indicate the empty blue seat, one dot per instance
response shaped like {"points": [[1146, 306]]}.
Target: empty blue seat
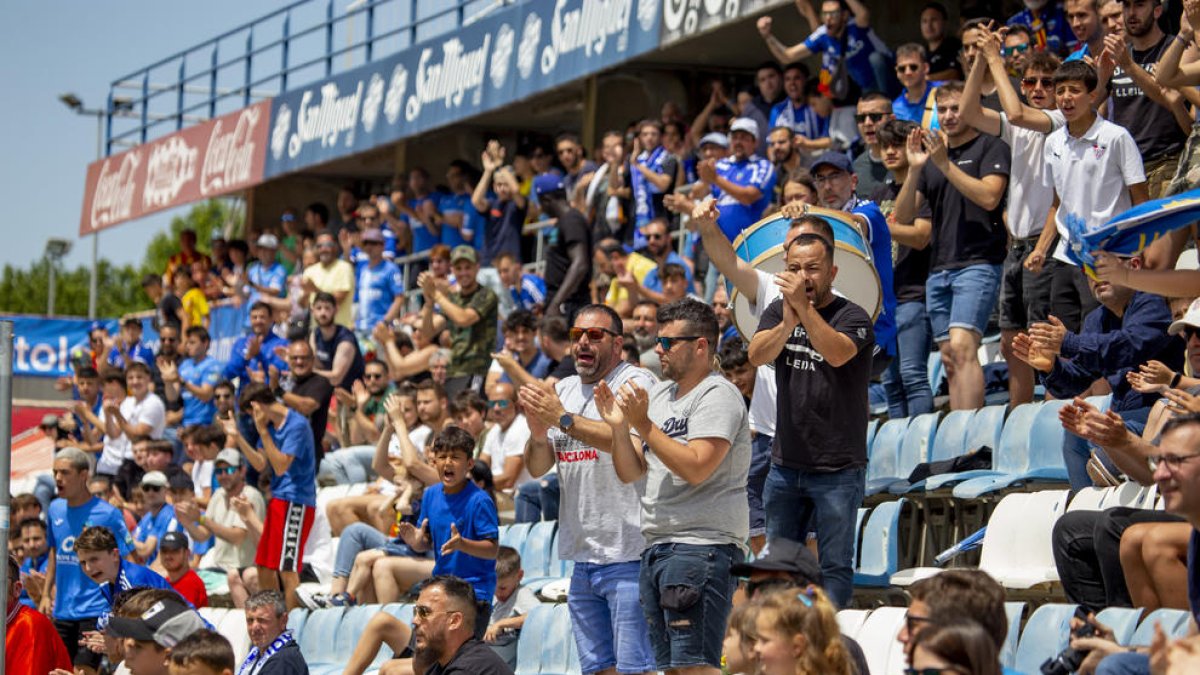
{"points": [[1009, 456], [1046, 634], [1013, 611], [296, 619], [318, 640], [885, 455], [535, 553], [534, 636], [858, 526], [950, 441], [1174, 624], [872, 427], [987, 425], [1037, 457], [880, 551], [556, 645], [514, 536], [1122, 620]]}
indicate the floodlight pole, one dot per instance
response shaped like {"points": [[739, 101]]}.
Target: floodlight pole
{"points": [[93, 281]]}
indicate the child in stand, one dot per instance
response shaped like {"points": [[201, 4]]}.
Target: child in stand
{"points": [[796, 633], [738, 655], [195, 306], [509, 607], [203, 653]]}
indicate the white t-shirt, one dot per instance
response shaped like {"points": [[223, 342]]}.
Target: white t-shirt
{"points": [[499, 445], [417, 436], [202, 475], [224, 554], [1029, 195], [149, 410], [762, 401], [1091, 175]]}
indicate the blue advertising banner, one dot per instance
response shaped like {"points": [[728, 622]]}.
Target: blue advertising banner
{"points": [[507, 56], [44, 347]]}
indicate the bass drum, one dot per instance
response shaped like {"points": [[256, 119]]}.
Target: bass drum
{"points": [[761, 245]]}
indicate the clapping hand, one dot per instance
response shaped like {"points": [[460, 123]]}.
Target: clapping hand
{"points": [[606, 404], [1182, 400], [454, 543], [167, 369], [261, 416], [915, 149], [705, 212], [1049, 335], [795, 292], [1152, 377], [1028, 351], [493, 156], [361, 395], [935, 145], [634, 403]]}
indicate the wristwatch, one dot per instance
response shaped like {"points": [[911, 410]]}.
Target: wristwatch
{"points": [[566, 422]]}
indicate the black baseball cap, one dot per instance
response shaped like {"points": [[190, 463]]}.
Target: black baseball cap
{"points": [[784, 555], [173, 541], [165, 623]]}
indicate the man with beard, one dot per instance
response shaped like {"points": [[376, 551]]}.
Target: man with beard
{"points": [[598, 514], [307, 392], [472, 313], [331, 275], [570, 155], [645, 332], [569, 255], [742, 183], [811, 129], [365, 403], [873, 110], [659, 250], [446, 626], [781, 151], [339, 358], [941, 49]]}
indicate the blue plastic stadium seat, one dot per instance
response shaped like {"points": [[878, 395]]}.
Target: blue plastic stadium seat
{"points": [[950, 441], [1122, 620], [880, 552], [296, 619], [858, 526], [937, 372], [1046, 634], [1013, 611], [872, 427], [1033, 458], [1174, 623], [514, 536], [556, 645], [885, 455], [318, 640], [535, 635], [535, 552], [1009, 456], [986, 428]]}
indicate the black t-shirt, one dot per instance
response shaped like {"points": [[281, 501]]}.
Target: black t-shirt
{"points": [[502, 231], [1152, 126], [945, 56], [327, 349], [473, 658], [910, 266], [169, 307], [572, 229], [964, 233], [286, 661], [822, 410], [317, 388]]}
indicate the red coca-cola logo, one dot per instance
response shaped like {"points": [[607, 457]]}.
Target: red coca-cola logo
{"points": [[229, 159]]}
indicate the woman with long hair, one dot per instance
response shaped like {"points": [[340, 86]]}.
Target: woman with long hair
{"points": [[962, 647]]}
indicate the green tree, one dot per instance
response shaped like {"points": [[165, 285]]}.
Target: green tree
{"points": [[204, 218]]}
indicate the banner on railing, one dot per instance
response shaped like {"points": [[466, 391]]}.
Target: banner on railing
{"points": [[509, 55], [684, 18], [211, 159]]}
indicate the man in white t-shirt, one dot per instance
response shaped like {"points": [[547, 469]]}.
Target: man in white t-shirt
{"points": [[235, 543], [140, 415], [599, 520], [504, 446]]}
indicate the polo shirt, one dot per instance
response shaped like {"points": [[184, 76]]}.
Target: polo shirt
{"points": [[1029, 196], [754, 171]]}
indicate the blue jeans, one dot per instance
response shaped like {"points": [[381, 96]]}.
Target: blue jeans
{"points": [[962, 298], [800, 501], [687, 593], [1124, 664], [348, 465], [537, 499], [1077, 452], [356, 538], [607, 619], [760, 464], [907, 378]]}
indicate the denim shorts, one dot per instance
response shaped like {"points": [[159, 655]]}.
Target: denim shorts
{"points": [[687, 593], [607, 619], [962, 298]]}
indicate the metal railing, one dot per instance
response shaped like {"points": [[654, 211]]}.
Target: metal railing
{"points": [[299, 43]]}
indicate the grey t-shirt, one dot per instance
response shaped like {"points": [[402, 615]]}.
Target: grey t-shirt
{"points": [[715, 511], [598, 517]]}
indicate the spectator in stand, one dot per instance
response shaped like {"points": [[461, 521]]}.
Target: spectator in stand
{"points": [[174, 554], [194, 380], [140, 415], [74, 601], [421, 210], [472, 313], [159, 518], [186, 256], [265, 276], [960, 647], [742, 184], [942, 49], [608, 192], [826, 470], [223, 396], [811, 130], [128, 347], [32, 646], [448, 625], [797, 632], [645, 335], [380, 286], [575, 166], [459, 219], [254, 356], [569, 256], [1047, 28], [1083, 16], [520, 346], [874, 109], [234, 543], [286, 445], [504, 445], [1112, 17], [365, 403], [768, 84], [955, 596], [191, 295], [1018, 44], [959, 188], [505, 215], [653, 175], [307, 392], [338, 357], [331, 275], [1026, 296], [693, 451], [781, 150], [916, 102], [274, 650], [35, 553], [204, 652], [316, 218], [969, 36], [599, 518], [906, 381], [630, 271], [347, 204], [525, 291], [234, 278], [167, 308], [1155, 115]]}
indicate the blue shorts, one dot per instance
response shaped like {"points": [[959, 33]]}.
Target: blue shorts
{"points": [[962, 298], [687, 594], [607, 619]]}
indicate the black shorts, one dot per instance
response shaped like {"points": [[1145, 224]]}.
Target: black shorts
{"points": [[71, 633], [1024, 296]]}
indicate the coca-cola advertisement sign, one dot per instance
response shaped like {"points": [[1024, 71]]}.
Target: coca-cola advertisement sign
{"points": [[217, 157]]}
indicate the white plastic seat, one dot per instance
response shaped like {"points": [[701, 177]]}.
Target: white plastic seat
{"points": [[877, 637], [233, 627], [1090, 499], [850, 621], [1017, 548]]}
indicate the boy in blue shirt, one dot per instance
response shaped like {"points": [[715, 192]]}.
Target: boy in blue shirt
{"points": [[36, 555], [460, 522], [101, 562]]}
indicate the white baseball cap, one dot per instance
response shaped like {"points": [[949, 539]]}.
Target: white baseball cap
{"points": [[745, 124], [1189, 320]]}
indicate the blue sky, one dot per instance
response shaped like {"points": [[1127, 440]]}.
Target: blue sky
{"points": [[50, 47]]}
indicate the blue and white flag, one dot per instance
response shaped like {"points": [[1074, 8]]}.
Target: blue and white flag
{"points": [[1129, 233]]}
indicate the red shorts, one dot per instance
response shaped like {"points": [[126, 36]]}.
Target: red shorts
{"points": [[285, 530]]}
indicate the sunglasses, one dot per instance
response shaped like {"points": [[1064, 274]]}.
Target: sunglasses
{"points": [[423, 612], [499, 403], [593, 334], [152, 488], [656, 236], [1189, 333], [874, 117], [908, 67], [668, 342], [1046, 82], [227, 471], [1016, 49], [223, 397], [372, 376]]}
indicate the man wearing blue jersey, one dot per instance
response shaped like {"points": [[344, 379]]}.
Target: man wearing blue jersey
{"points": [[81, 601], [741, 182], [129, 346], [195, 379], [265, 276], [380, 286], [159, 517]]}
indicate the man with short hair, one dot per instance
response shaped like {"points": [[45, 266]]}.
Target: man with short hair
{"points": [[265, 276], [150, 637], [31, 645], [192, 382], [873, 110], [472, 315], [526, 291], [1083, 16], [781, 150], [1045, 27], [380, 286], [445, 622], [504, 446], [953, 596], [598, 515], [570, 154], [174, 553], [338, 357], [1018, 43], [652, 176], [645, 334], [159, 517], [916, 102], [140, 415], [274, 650], [74, 601], [235, 543], [168, 310], [307, 392], [332, 275], [742, 183], [520, 346], [365, 404], [569, 256], [811, 130], [129, 346], [36, 555], [688, 438]]}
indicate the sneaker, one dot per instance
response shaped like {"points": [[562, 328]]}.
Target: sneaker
{"points": [[341, 600], [312, 600]]}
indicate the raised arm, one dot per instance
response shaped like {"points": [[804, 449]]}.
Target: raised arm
{"points": [[720, 251], [780, 51]]}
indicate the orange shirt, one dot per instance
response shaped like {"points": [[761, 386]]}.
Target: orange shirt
{"points": [[32, 645]]}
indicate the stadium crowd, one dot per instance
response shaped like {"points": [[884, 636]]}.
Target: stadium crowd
{"points": [[548, 335]]}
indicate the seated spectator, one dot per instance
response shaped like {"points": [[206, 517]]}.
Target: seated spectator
{"points": [[365, 404], [204, 652], [504, 446], [32, 645], [525, 291], [942, 49], [35, 554], [960, 647], [234, 543], [174, 554], [510, 605], [274, 650], [798, 632], [520, 346], [452, 644], [159, 518]]}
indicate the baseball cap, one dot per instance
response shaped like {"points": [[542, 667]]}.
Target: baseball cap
{"points": [[374, 234], [463, 252], [745, 124], [716, 138], [1190, 320], [165, 623], [267, 240], [784, 555], [837, 160], [155, 478], [173, 541], [548, 182], [50, 420], [229, 456]]}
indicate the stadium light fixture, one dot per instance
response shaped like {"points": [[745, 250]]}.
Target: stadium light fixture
{"points": [[72, 101], [56, 250]]}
